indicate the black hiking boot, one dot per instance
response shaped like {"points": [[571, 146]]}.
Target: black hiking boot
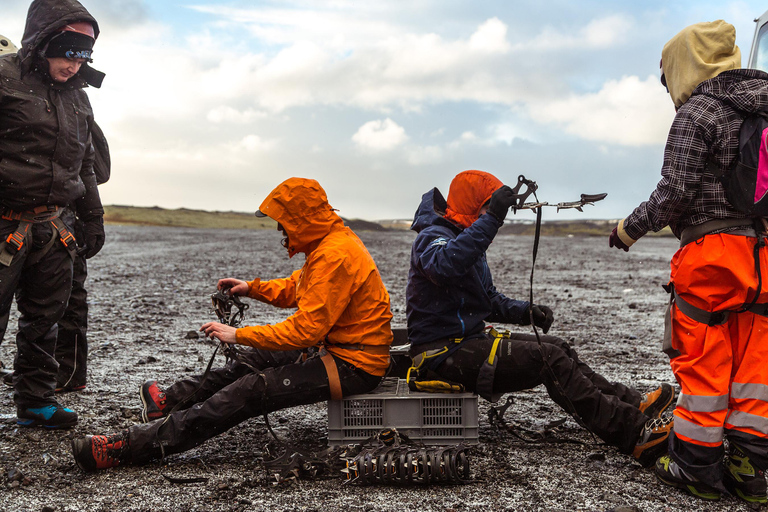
{"points": [[653, 440], [669, 473], [742, 478], [654, 403], [101, 452]]}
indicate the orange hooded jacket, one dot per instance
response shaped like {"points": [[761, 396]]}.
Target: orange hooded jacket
{"points": [[469, 191], [339, 294]]}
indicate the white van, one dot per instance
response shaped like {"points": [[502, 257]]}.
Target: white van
{"points": [[758, 53]]}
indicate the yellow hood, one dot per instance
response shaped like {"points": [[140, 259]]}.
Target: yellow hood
{"points": [[697, 53]]}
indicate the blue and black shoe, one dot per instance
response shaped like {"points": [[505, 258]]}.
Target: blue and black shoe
{"points": [[48, 416]]}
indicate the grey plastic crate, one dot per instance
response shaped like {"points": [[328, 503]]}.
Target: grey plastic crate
{"points": [[432, 418]]}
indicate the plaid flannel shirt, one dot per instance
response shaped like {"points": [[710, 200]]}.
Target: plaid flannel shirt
{"points": [[706, 126]]}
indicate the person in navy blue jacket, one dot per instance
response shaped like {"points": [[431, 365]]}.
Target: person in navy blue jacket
{"points": [[450, 296]]}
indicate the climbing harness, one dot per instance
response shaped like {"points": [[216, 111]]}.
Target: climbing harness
{"points": [[758, 230], [13, 244], [422, 376]]}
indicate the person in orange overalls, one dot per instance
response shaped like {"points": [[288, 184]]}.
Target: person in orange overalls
{"points": [[718, 350], [341, 306]]}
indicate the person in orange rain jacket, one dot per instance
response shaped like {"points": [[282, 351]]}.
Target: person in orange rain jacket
{"points": [[342, 319]]}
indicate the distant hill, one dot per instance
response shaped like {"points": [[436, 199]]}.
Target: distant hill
{"points": [[183, 217]]}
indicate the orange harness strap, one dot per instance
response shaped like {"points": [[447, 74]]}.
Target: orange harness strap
{"points": [[333, 375]]}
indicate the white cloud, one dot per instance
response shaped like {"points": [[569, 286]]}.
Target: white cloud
{"points": [[491, 36], [254, 143], [424, 155], [599, 33], [380, 135], [227, 114], [628, 111]]}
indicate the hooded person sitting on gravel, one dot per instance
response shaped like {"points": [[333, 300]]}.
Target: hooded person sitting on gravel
{"points": [[717, 320], [449, 297], [340, 303]]}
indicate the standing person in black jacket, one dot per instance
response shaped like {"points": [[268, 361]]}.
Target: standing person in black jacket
{"points": [[449, 297], [71, 341], [46, 164]]}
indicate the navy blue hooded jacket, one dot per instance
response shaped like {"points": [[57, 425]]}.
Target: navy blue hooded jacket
{"points": [[450, 292]]}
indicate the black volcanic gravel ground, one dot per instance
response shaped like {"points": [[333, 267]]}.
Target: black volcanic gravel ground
{"points": [[151, 286]]}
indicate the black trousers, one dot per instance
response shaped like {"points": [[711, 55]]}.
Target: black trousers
{"points": [[42, 291], [72, 341], [608, 409], [237, 392]]}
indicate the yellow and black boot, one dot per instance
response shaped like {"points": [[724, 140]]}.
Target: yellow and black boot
{"points": [[742, 478]]}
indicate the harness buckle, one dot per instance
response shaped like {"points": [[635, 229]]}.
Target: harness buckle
{"points": [[717, 318], [16, 240], [66, 236]]}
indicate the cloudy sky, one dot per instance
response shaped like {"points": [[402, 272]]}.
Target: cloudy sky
{"points": [[209, 105]]}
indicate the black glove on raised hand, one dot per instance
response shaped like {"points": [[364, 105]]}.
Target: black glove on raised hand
{"points": [[93, 236], [615, 241], [500, 202], [542, 317]]}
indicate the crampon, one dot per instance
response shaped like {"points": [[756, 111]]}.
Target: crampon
{"points": [[391, 458]]}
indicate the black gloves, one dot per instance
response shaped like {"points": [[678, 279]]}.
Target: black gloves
{"points": [[93, 237], [542, 317], [615, 241], [500, 202]]}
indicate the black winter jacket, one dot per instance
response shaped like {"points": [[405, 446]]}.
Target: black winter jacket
{"points": [[46, 154], [450, 292]]}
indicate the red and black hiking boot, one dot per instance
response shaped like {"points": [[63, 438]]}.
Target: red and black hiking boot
{"points": [[654, 403], [654, 440], [153, 399], [101, 452]]}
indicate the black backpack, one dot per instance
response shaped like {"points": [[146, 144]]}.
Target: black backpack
{"points": [[746, 182]]}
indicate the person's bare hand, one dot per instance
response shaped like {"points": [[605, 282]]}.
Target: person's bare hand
{"points": [[236, 286], [223, 333]]}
